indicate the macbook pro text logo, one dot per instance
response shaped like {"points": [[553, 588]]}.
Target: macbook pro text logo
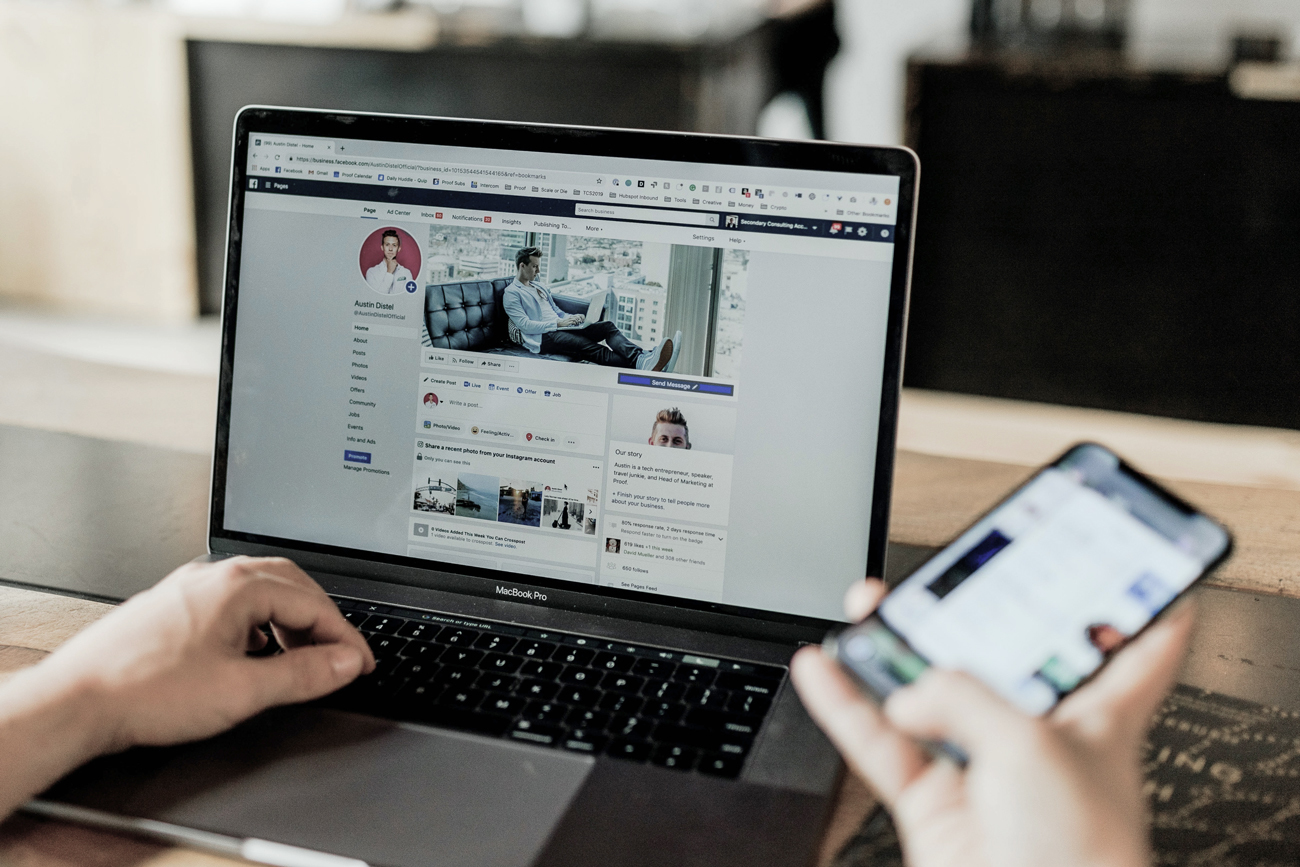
{"points": [[527, 595]]}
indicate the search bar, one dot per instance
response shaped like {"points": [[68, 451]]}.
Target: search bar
{"points": [[649, 215]]}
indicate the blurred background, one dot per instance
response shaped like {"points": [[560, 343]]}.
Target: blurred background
{"points": [[1110, 195]]}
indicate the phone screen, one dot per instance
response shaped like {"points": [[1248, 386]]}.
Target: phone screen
{"points": [[1036, 595]]}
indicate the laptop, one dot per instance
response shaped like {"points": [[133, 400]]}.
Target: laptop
{"points": [[594, 309], [582, 582]]}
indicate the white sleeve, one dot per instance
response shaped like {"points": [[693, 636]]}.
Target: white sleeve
{"points": [[379, 279]]}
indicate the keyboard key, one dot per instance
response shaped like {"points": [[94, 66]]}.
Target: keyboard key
{"points": [[745, 726], [583, 696], [694, 674], [385, 665], [455, 676], [580, 676], [633, 751], [617, 702], [660, 669], [747, 684], [613, 662], [676, 757], [574, 655], [712, 741], [416, 670], [547, 734], [507, 704], [356, 618], [499, 662], [538, 650], [422, 650], [382, 623], [630, 727], [546, 711], [386, 645], [465, 699], [413, 696], [495, 643], [538, 689], [541, 670], [457, 637], [492, 682], [664, 711], [748, 703], [622, 683], [585, 741], [664, 690], [720, 765], [586, 718], [419, 629], [461, 656], [491, 724], [707, 697]]}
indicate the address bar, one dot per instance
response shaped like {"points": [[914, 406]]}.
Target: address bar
{"points": [[649, 215]]}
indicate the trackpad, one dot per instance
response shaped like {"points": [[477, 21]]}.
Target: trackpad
{"points": [[389, 794]]}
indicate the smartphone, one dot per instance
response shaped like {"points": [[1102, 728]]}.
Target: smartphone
{"points": [[1035, 596]]}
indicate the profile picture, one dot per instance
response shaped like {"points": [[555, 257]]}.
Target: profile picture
{"points": [[431, 400], [613, 546], [733, 221], [390, 261]]}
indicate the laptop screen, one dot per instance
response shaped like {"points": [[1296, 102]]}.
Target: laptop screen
{"points": [[651, 377]]}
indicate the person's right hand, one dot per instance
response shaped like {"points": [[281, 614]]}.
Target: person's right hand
{"points": [[171, 664], [1064, 789], [575, 319]]}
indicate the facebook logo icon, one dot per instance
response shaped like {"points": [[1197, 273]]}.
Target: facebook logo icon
{"points": [[381, 177], [252, 183], [336, 174], [277, 170]]}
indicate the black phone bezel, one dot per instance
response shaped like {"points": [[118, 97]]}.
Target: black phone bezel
{"points": [[1151, 484], [589, 141]]}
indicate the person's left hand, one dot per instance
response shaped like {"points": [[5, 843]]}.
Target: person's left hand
{"points": [[172, 663], [575, 319]]}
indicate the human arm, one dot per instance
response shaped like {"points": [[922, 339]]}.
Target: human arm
{"points": [[380, 278], [172, 665], [513, 303], [1063, 789]]}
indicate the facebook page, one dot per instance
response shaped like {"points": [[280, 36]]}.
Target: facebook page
{"points": [[649, 376]]}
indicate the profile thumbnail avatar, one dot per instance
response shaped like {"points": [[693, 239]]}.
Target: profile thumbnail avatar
{"points": [[390, 259], [670, 430], [430, 400]]}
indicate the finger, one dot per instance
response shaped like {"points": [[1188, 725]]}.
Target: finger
{"points": [[256, 639], [863, 597], [293, 609], [882, 756], [302, 674], [955, 707], [1129, 690]]}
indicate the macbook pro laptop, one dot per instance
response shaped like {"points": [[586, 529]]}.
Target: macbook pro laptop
{"points": [[582, 582]]}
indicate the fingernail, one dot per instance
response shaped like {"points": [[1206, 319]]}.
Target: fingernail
{"points": [[346, 662]]}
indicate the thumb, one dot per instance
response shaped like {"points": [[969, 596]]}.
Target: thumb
{"points": [[304, 673], [955, 707]]}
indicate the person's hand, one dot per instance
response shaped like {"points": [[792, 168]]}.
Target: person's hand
{"points": [[1064, 789], [391, 264], [171, 664], [575, 319]]}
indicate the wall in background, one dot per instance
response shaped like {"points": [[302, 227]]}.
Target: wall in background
{"points": [[96, 212]]}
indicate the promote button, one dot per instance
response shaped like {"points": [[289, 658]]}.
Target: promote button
{"points": [[356, 457]]}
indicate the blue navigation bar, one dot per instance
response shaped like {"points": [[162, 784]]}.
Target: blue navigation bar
{"points": [[651, 381]]}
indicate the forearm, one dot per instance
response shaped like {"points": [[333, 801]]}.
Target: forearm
{"points": [[48, 726]]}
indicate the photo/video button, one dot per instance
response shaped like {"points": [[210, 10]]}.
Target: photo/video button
{"points": [[455, 428]]}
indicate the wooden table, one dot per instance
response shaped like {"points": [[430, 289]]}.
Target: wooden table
{"points": [[959, 455]]}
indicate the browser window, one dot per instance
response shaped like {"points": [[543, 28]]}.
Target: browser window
{"points": [[401, 385]]}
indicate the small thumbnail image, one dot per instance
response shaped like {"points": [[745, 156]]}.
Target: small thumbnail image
{"points": [[560, 513], [435, 495], [476, 496], [613, 546], [520, 503]]}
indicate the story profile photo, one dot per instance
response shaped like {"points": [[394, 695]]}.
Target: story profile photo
{"points": [[390, 261], [430, 400]]}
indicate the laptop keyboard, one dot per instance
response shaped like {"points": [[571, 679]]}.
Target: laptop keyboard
{"points": [[573, 692]]}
